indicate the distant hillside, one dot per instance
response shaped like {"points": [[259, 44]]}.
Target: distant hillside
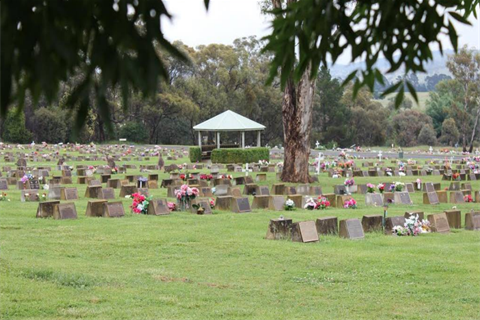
{"points": [[437, 66]]}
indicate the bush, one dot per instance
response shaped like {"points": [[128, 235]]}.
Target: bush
{"points": [[14, 129], [427, 136], [133, 131], [240, 155], [195, 154], [49, 126]]}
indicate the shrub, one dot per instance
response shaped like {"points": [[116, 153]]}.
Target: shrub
{"points": [[195, 154], [49, 126], [133, 131], [14, 129], [427, 136], [240, 155]]}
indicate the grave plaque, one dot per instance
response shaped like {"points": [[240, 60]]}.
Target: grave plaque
{"points": [[261, 177], [472, 221], [65, 211], [303, 189], [373, 199], [94, 183], [339, 189], [128, 189], [158, 208], [327, 225], [55, 192], [235, 192], [278, 189], [241, 205], [263, 191], [442, 196], [402, 198], [409, 187], [430, 198], [372, 222], [276, 203], [428, 187], [393, 222], [69, 194], [114, 183], [29, 195], [454, 186], [279, 229], [221, 190], [456, 197], [351, 229], [3, 184], [304, 231], [250, 189], [439, 222], [472, 177], [454, 218], [206, 192], [34, 184], [315, 190], [46, 209], [113, 209], [362, 189], [143, 191], [260, 202], [466, 186], [223, 202], [239, 181], [92, 191], [95, 208], [106, 193]]}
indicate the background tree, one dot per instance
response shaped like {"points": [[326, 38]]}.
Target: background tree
{"points": [[450, 132], [427, 136], [50, 125], [407, 126]]}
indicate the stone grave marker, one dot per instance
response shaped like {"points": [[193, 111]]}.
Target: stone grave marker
{"points": [[327, 225], [372, 223], [235, 192], [340, 200], [94, 183], [428, 187], [339, 189], [260, 202], [239, 181], [248, 180], [29, 195], [303, 189], [250, 189], [442, 196], [205, 205], [221, 190], [472, 177], [261, 177], [439, 222], [241, 205], [279, 229], [143, 191], [95, 208], [402, 198], [304, 231], [362, 189], [55, 192], [128, 189], [373, 199], [454, 218], [106, 193], [276, 202], [430, 198], [409, 187], [114, 183], [69, 194], [351, 229], [223, 202], [158, 208], [472, 221], [456, 197], [391, 222], [454, 186], [206, 192], [315, 190], [263, 191], [278, 189], [92, 191], [466, 186], [3, 184], [65, 211], [113, 209], [46, 209]]}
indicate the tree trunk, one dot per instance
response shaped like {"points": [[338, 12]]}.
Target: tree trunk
{"points": [[297, 111], [474, 131]]}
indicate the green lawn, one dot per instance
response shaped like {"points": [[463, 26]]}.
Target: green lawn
{"points": [[185, 266]]}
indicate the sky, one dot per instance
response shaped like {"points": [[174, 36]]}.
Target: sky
{"points": [[227, 20]]}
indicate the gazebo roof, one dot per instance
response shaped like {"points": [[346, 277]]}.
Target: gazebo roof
{"points": [[229, 121]]}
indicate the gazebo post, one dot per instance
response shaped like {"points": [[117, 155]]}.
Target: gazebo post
{"points": [[259, 139], [218, 140], [200, 139], [243, 139]]}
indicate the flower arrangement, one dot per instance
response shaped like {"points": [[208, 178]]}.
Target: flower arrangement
{"points": [[310, 204], [370, 188], [186, 194], [263, 162], [140, 203], [226, 176], [350, 204], [456, 176], [171, 206], [381, 187], [46, 187], [42, 197], [323, 203], [412, 227], [114, 170], [212, 203], [207, 177], [289, 205], [3, 197], [468, 198], [398, 186], [349, 182], [27, 197]]}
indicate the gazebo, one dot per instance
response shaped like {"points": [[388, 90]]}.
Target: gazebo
{"points": [[226, 122]]}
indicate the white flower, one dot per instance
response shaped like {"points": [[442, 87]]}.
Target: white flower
{"points": [[46, 187], [140, 207], [290, 203], [127, 196]]}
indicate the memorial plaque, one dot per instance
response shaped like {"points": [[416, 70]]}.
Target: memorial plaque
{"points": [[351, 229], [95, 208], [143, 191], [472, 177], [29, 195], [263, 191], [261, 177], [276, 203], [304, 231], [442, 196], [248, 180], [224, 203], [128, 189], [92, 191], [260, 202], [430, 198], [106, 193], [114, 183], [235, 192], [340, 189], [113, 209], [69, 194], [303, 189], [466, 186], [46, 209], [454, 186], [55, 192], [3, 184], [402, 198], [327, 225], [94, 183], [221, 190], [456, 197], [472, 221], [291, 190], [454, 218], [372, 223], [279, 229], [241, 205], [206, 192], [158, 208], [439, 222], [428, 187], [315, 190], [362, 189], [409, 187], [66, 173], [392, 222], [374, 199], [65, 211], [250, 189]]}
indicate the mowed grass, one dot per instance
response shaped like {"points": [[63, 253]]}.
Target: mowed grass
{"points": [[185, 266]]}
